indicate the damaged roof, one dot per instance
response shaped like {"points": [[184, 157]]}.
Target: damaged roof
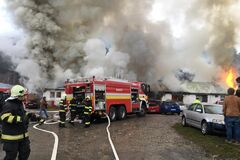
{"points": [[203, 87], [196, 88]]}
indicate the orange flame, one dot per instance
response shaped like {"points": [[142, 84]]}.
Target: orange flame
{"points": [[230, 79]]}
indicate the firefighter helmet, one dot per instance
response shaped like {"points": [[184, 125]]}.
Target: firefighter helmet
{"points": [[18, 91]]}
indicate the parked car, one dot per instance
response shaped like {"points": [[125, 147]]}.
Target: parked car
{"points": [[32, 105], [154, 106], [207, 117], [169, 107], [182, 106], [33, 101]]}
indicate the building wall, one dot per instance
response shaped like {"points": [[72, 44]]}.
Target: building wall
{"points": [[53, 97], [188, 99], [167, 97], [213, 98]]}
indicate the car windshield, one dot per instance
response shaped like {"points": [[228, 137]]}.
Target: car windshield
{"points": [[213, 109]]}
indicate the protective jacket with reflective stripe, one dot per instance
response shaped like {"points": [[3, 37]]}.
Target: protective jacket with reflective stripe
{"points": [[73, 105], [14, 120], [62, 105], [87, 107]]}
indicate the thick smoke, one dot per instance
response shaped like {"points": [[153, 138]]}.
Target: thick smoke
{"points": [[68, 39], [184, 75], [6, 64]]}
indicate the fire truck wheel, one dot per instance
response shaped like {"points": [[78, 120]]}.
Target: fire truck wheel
{"points": [[121, 114], [112, 114]]}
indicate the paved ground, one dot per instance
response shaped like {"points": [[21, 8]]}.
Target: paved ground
{"points": [[145, 138]]}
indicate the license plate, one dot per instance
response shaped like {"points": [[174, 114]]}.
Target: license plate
{"points": [[173, 109]]}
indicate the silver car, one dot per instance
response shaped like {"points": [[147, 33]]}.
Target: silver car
{"points": [[208, 117]]}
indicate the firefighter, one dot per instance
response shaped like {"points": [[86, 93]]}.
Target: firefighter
{"points": [[62, 111], [73, 109], [80, 108], [197, 100], [15, 125], [87, 111]]}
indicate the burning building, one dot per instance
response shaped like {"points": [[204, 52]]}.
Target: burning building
{"points": [[189, 91]]}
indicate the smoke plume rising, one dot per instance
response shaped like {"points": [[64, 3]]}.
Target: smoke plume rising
{"points": [[69, 39]]}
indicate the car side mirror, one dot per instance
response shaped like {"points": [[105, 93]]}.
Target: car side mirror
{"points": [[199, 110]]}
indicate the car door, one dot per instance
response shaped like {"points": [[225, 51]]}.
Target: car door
{"points": [[197, 115], [189, 114]]}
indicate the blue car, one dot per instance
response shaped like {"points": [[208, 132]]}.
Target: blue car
{"points": [[169, 107]]}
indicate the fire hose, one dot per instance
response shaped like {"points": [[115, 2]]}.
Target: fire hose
{"points": [[55, 147], [110, 140]]}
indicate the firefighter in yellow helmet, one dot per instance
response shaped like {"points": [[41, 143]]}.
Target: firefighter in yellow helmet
{"points": [[87, 111], [62, 110], [15, 125]]}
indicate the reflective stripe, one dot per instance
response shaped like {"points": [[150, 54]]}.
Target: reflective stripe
{"points": [[87, 122], [86, 113], [73, 105], [73, 110], [14, 137], [5, 115], [10, 119], [62, 111], [18, 119]]}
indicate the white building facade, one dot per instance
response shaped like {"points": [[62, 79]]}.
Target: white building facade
{"points": [[53, 96]]}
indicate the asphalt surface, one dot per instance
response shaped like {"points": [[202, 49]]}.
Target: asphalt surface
{"points": [[145, 138]]}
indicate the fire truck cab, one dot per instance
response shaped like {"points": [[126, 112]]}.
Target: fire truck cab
{"points": [[115, 97]]}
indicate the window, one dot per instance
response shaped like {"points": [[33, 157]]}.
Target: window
{"points": [[134, 94], [199, 108], [58, 95], [192, 107], [52, 94]]}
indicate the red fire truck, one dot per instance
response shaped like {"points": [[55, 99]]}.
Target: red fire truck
{"points": [[115, 97]]}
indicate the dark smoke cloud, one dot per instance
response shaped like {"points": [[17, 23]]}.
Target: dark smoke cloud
{"points": [[6, 64], [68, 39], [184, 75]]}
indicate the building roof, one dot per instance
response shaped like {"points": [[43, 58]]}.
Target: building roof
{"points": [[199, 88], [203, 87], [4, 85], [54, 89]]}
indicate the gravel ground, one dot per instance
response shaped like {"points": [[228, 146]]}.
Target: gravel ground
{"points": [[145, 138]]}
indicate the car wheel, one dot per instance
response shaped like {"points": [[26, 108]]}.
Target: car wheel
{"points": [[204, 128], [112, 114], [121, 113], [184, 124]]}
